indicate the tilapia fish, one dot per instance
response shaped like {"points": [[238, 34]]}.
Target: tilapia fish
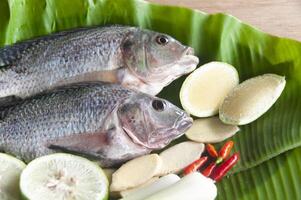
{"points": [[103, 121], [136, 58]]}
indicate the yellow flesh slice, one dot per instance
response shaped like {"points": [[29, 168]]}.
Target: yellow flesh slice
{"points": [[251, 99], [179, 156], [204, 90], [136, 172], [210, 130]]}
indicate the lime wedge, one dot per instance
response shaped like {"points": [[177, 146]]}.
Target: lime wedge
{"points": [[63, 176], [10, 170]]}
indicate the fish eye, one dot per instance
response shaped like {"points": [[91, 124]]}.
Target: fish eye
{"points": [[162, 39], [158, 105]]}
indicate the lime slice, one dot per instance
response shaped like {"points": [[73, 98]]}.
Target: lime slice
{"points": [[10, 170], [205, 89], [63, 176]]}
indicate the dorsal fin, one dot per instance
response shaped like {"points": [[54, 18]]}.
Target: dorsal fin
{"points": [[10, 53]]}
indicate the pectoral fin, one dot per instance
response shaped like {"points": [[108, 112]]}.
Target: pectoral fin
{"points": [[85, 144]]}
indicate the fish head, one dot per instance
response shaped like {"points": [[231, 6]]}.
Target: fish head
{"points": [[152, 122], [156, 57]]}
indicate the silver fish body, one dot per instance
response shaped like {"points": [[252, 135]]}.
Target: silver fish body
{"points": [[136, 58], [103, 121]]}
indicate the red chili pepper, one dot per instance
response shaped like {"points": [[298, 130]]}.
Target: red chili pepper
{"points": [[226, 149], [222, 169], [211, 150], [209, 169], [195, 165]]}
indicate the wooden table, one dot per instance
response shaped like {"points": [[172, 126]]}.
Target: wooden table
{"points": [[278, 17]]}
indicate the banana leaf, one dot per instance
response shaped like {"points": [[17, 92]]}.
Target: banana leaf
{"points": [[263, 144], [278, 178]]}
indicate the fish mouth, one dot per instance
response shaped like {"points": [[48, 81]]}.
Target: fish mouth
{"points": [[168, 73], [188, 51], [184, 65], [162, 76], [163, 136], [188, 62], [168, 135], [185, 124]]}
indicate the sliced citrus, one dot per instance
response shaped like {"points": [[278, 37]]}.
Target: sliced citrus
{"points": [[10, 170], [63, 176]]}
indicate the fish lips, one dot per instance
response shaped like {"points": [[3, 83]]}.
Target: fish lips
{"points": [[162, 76], [168, 73], [189, 51], [163, 136], [188, 62]]}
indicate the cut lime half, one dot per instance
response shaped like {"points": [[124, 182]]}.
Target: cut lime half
{"points": [[10, 170], [63, 176]]}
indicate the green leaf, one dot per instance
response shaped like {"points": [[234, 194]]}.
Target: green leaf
{"points": [[277, 179], [215, 37]]}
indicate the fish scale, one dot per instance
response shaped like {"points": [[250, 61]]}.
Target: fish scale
{"points": [[81, 109], [120, 54], [95, 119], [30, 67]]}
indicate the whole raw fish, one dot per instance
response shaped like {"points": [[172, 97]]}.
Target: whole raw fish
{"points": [[136, 58], [99, 120]]}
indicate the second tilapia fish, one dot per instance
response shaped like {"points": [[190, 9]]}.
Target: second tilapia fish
{"points": [[103, 121], [136, 58]]}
